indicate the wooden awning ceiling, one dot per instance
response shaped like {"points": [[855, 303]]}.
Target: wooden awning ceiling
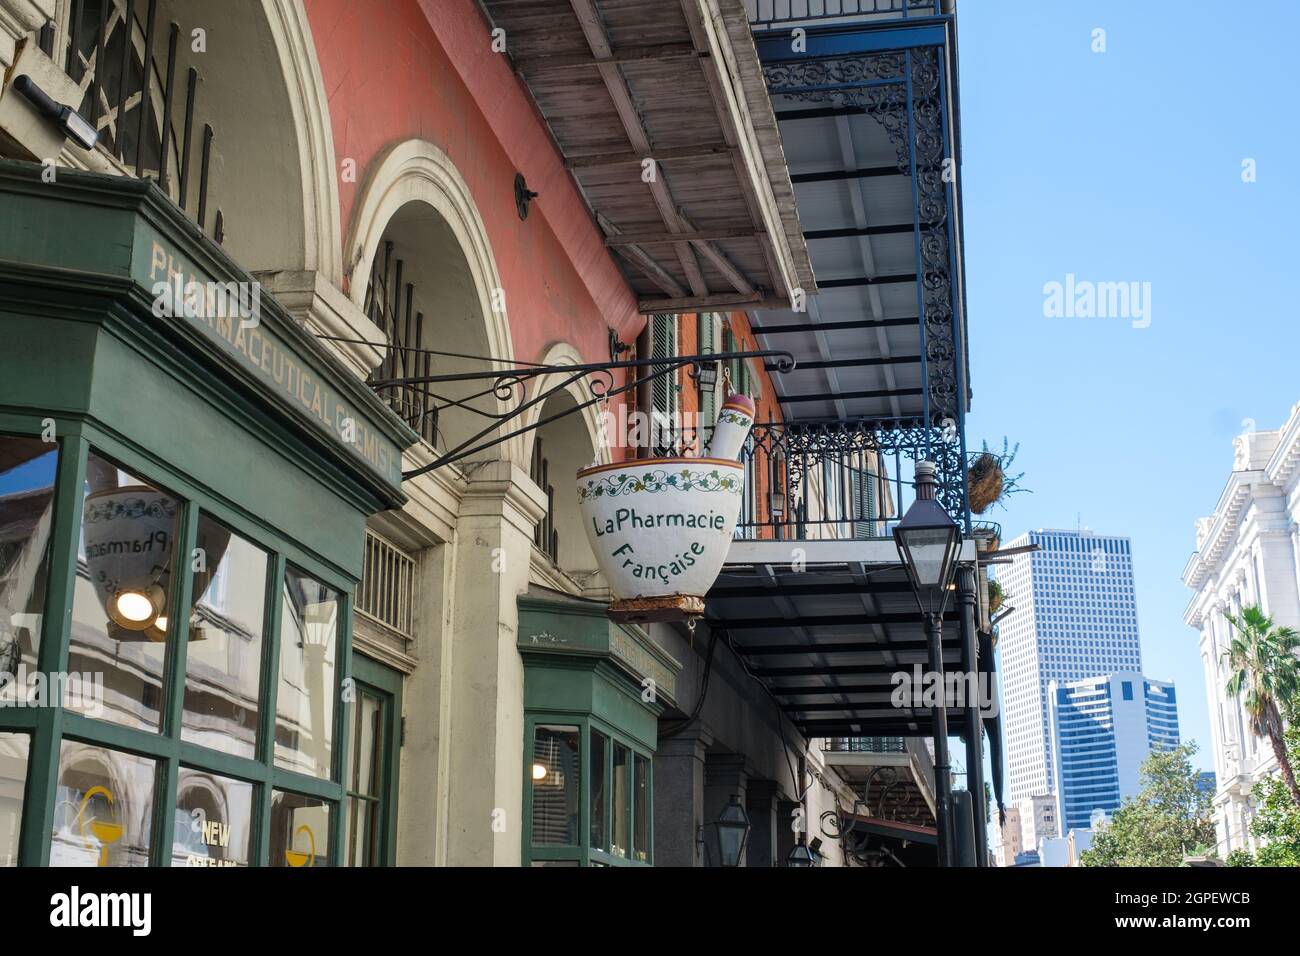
{"points": [[663, 117]]}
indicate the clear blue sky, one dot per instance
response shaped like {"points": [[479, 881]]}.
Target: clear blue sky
{"points": [[1126, 166]]}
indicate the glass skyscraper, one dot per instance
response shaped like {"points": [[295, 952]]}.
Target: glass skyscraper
{"points": [[1102, 729], [1074, 617]]}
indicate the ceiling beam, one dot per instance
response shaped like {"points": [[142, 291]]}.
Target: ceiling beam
{"points": [[829, 326], [832, 396], [866, 281], [630, 158], [854, 363], [824, 620], [616, 85], [891, 229], [665, 52], [696, 235], [644, 261], [721, 300], [835, 175]]}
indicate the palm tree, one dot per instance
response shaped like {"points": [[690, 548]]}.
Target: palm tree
{"points": [[1264, 665]]}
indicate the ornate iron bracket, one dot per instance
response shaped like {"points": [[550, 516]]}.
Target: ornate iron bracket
{"points": [[510, 385]]}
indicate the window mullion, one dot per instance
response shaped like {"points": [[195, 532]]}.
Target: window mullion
{"points": [[174, 683], [46, 742], [259, 853]]}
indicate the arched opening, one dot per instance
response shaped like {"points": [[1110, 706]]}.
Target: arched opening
{"points": [[227, 114], [560, 448], [422, 295], [421, 267]]}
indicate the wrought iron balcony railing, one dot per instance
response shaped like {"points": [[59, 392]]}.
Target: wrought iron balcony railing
{"points": [[785, 14], [833, 479], [869, 745]]}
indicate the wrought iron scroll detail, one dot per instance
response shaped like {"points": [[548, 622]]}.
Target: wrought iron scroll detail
{"points": [[877, 84]]}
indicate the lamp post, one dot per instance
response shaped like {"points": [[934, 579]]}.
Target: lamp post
{"points": [[802, 856], [730, 832], [928, 541]]}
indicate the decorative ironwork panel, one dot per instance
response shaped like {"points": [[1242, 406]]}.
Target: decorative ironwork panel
{"points": [[902, 92]]}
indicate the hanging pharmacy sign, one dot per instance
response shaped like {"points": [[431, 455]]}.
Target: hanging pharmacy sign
{"points": [[661, 527]]}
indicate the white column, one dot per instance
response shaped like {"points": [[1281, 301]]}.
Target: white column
{"points": [[492, 551]]}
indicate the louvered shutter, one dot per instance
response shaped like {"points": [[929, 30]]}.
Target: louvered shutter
{"points": [[708, 325]]}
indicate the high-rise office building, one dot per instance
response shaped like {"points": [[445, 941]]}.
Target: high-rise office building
{"points": [[1074, 617], [1102, 729]]}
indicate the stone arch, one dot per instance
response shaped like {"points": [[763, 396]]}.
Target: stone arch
{"points": [[260, 88], [568, 443], [415, 192]]}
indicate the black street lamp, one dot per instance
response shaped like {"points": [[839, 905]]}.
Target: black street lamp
{"points": [[729, 834], [928, 543], [802, 856]]}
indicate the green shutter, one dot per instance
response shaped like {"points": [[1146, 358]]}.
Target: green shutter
{"points": [[708, 331]]}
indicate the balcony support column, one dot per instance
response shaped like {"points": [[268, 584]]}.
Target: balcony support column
{"points": [[974, 736], [942, 767], [679, 797]]}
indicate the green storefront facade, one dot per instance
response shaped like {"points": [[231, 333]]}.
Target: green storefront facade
{"points": [[171, 439], [593, 693]]}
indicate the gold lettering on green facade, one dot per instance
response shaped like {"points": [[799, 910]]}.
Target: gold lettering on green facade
{"points": [[261, 352]]}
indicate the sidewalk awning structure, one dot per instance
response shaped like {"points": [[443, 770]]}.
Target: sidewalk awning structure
{"points": [[662, 116], [827, 639], [868, 113]]}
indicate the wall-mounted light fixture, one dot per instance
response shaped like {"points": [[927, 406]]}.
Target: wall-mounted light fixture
{"points": [[72, 123], [523, 195]]}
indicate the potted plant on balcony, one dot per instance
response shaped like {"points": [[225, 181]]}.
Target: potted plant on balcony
{"points": [[996, 595], [987, 478]]}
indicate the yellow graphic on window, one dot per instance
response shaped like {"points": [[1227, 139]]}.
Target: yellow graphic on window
{"points": [[104, 832], [298, 857]]}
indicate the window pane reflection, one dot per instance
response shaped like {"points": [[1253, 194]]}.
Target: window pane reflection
{"points": [[123, 594], [304, 725], [641, 812], [213, 821], [599, 835], [224, 657], [13, 777], [621, 794], [555, 777], [300, 828], [27, 471], [363, 817], [104, 808]]}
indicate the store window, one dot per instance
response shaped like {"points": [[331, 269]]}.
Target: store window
{"points": [[300, 828], [223, 665], [121, 606], [104, 807], [213, 821], [556, 780], [27, 472], [369, 779], [245, 735], [13, 780], [602, 819], [304, 731]]}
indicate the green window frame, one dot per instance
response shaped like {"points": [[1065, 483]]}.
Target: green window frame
{"points": [[48, 727], [384, 683], [584, 853]]}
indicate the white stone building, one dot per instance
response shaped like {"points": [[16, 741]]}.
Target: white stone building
{"points": [[1246, 553]]}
